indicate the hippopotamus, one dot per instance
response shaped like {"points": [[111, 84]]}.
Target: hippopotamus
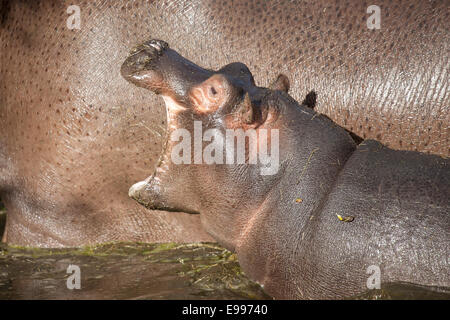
{"points": [[74, 134], [311, 223]]}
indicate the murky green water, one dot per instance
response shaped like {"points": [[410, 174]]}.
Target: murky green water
{"points": [[405, 291], [146, 271], [126, 271]]}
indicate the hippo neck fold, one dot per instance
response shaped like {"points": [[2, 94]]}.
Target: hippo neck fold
{"points": [[293, 206], [301, 177]]}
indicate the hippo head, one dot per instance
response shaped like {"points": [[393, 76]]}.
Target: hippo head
{"points": [[203, 168]]}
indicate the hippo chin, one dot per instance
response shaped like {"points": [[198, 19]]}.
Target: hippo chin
{"points": [[331, 212]]}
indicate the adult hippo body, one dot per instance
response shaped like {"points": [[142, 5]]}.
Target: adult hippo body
{"points": [[330, 212], [74, 135]]}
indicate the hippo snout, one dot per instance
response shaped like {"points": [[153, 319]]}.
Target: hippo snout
{"points": [[154, 66], [142, 60]]}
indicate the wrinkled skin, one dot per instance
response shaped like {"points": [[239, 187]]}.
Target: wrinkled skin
{"points": [[394, 204], [74, 135]]}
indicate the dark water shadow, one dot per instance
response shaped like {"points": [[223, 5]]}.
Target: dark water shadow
{"points": [[2, 218]]}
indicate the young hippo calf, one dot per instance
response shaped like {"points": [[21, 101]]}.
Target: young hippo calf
{"points": [[310, 213]]}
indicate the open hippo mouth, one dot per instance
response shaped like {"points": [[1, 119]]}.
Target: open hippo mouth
{"points": [[154, 66], [190, 92]]}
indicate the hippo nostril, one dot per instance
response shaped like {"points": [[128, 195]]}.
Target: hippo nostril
{"points": [[213, 91], [159, 45], [149, 47]]}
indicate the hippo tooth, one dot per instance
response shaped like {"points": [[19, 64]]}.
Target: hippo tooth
{"points": [[136, 188], [172, 105]]}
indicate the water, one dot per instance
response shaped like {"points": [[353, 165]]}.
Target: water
{"points": [[126, 271], [147, 271]]}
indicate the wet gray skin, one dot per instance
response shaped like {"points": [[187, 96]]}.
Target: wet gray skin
{"points": [[333, 208]]}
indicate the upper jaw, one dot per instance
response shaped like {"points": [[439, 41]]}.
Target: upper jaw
{"points": [[140, 64], [154, 66]]}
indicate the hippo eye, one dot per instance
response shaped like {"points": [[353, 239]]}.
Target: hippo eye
{"points": [[213, 91]]}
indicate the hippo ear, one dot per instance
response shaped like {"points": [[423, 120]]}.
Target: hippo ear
{"points": [[310, 100], [211, 94], [281, 83]]}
